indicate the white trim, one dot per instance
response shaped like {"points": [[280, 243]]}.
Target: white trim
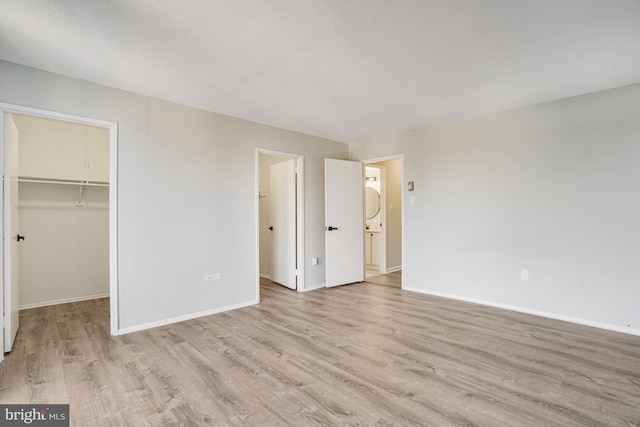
{"points": [[314, 287], [265, 276], [256, 221], [183, 318], [394, 269], [113, 230], [63, 301], [382, 267], [384, 159], [576, 320], [46, 114], [113, 190]]}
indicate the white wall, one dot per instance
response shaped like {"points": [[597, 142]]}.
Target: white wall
{"points": [[187, 197], [552, 188]]}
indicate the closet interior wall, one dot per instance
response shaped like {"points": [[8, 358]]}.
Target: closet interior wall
{"points": [[63, 211]]}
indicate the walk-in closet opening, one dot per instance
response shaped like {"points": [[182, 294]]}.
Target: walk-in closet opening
{"points": [[57, 217], [280, 219], [63, 211]]}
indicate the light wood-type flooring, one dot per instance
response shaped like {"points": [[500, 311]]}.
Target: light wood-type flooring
{"points": [[392, 279], [361, 354]]}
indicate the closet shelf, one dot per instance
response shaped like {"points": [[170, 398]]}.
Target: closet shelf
{"points": [[81, 184], [62, 181]]}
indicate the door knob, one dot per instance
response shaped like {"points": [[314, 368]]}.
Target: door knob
{"points": [[330, 228], [20, 237]]}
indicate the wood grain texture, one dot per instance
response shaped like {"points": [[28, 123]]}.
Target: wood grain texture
{"points": [[360, 354], [392, 279]]}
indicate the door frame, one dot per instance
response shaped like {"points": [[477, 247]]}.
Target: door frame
{"points": [[6, 108], [384, 198], [383, 213], [299, 215], [9, 296]]}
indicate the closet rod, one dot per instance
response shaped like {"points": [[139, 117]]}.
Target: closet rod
{"points": [[51, 181]]}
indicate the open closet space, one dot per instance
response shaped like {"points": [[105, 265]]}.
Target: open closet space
{"points": [[280, 218], [63, 211]]}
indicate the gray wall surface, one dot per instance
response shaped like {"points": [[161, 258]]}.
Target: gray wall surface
{"points": [[552, 188], [187, 196]]}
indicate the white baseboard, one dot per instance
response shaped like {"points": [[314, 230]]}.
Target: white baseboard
{"points": [[62, 301], [182, 318], [394, 269], [265, 276], [314, 287], [576, 320]]}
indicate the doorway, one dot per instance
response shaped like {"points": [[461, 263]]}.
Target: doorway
{"points": [[280, 219], [375, 221], [76, 189], [384, 221], [346, 227]]}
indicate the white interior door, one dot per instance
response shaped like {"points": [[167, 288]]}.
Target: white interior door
{"points": [[10, 232], [282, 196], [344, 221]]}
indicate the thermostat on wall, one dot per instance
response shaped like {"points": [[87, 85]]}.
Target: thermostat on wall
{"points": [[410, 185]]}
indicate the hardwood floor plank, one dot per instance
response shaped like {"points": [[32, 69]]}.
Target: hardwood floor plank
{"points": [[361, 354]]}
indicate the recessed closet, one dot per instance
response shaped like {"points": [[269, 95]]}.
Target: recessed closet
{"points": [[63, 211]]}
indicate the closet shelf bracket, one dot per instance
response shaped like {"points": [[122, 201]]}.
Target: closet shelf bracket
{"points": [[80, 202]]}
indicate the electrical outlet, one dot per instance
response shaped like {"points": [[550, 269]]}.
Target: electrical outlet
{"points": [[210, 277], [524, 274]]}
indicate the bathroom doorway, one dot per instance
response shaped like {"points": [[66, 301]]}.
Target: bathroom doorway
{"points": [[383, 219]]}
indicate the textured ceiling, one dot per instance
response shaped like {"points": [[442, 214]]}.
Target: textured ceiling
{"points": [[345, 70]]}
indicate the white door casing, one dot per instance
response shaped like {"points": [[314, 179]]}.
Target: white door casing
{"points": [[344, 222], [282, 202], [10, 231], [113, 194]]}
